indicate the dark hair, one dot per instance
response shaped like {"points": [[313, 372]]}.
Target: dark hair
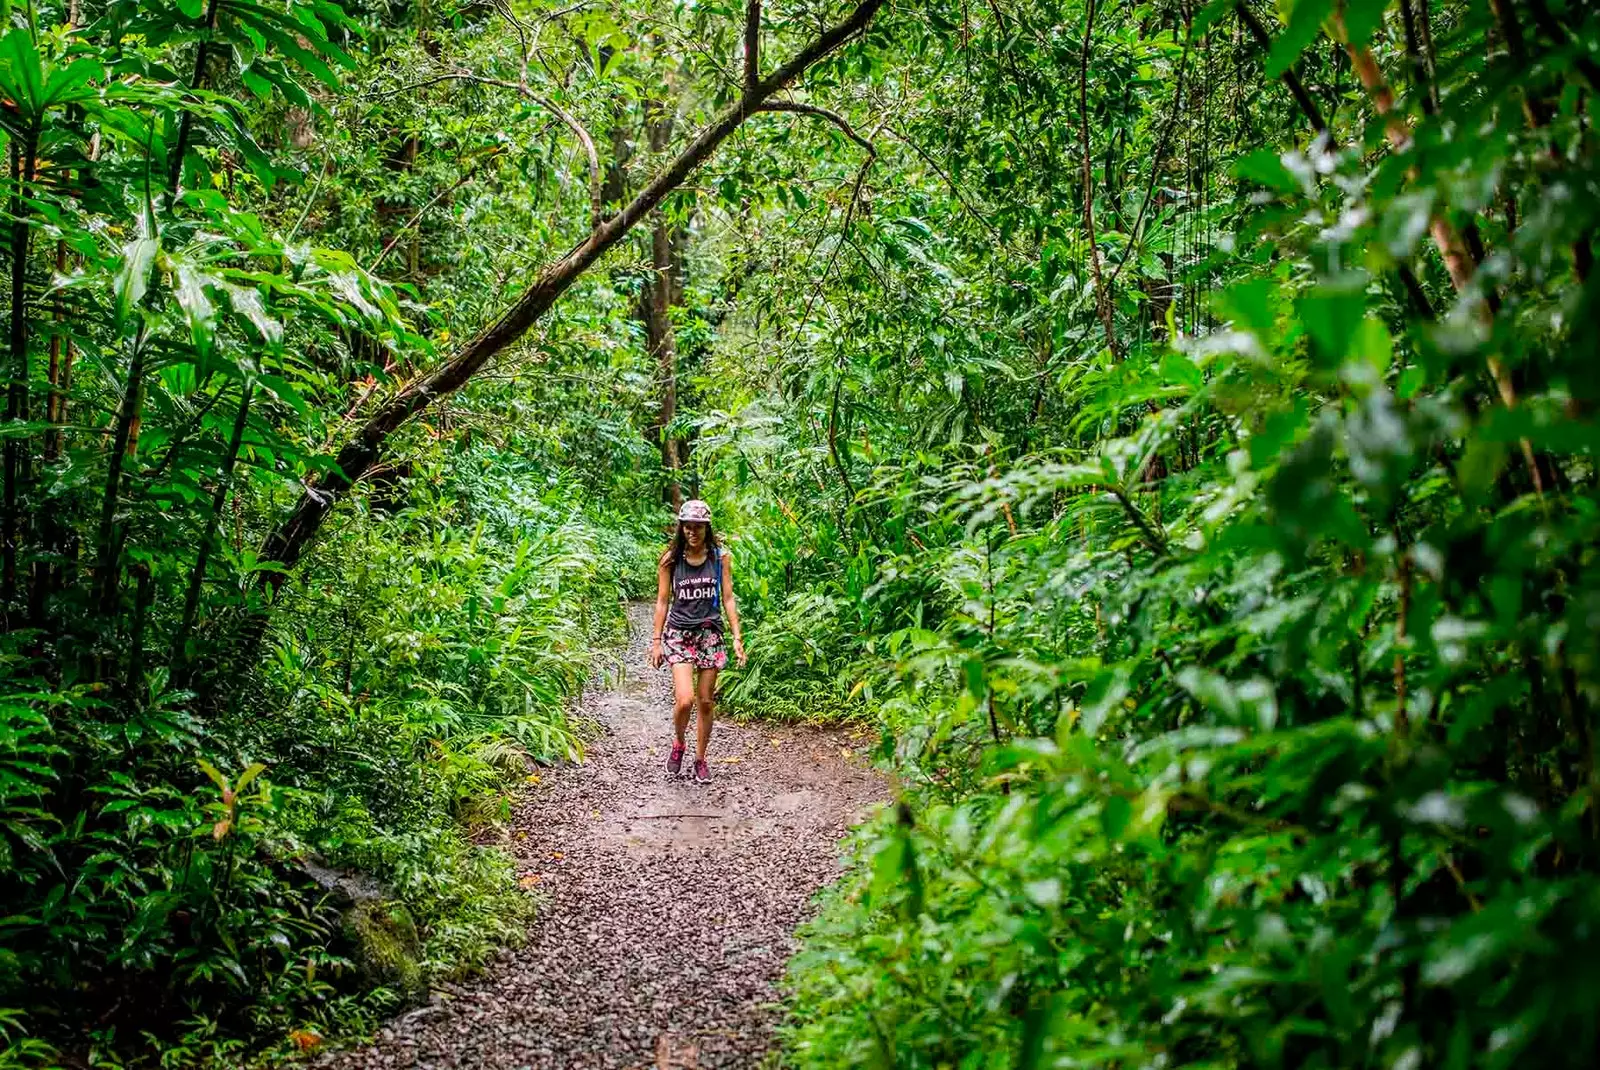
{"points": [[675, 548]]}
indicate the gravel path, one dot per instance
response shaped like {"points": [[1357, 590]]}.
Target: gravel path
{"points": [[670, 905]]}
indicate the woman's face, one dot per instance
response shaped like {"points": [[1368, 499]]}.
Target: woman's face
{"points": [[694, 533]]}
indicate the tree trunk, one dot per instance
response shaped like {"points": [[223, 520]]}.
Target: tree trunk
{"points": [[656, 304], [122, 437], [181, 146], [219, 497], [658, 332], [1102, 295], [16, 458], [45, 569]]}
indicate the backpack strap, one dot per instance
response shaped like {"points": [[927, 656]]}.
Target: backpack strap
{"points": [[716, 570]]}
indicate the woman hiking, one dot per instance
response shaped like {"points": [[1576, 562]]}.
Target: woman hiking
{"points": [[697, 577]]}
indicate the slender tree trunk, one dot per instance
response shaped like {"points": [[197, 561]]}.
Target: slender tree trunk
{"points": [[16, 453], [219, 497], [665, 350], [181, 144], [127, 415], [144, 595], [656, 306], [61, 354], [1102, 296], [45, 569]]}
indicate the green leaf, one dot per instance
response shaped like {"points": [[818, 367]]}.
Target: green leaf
{"points": [[198, 311], [133, 278], [1361, 19], [1333, 313], [214, 773], [22, 76], [285, 393], [253, 770], [1252, 305], [72, 83], [1115, 813], [1266, 167], [1305, 22]]}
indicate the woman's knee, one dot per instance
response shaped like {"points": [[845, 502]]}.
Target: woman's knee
{"points": [[684, 704]]}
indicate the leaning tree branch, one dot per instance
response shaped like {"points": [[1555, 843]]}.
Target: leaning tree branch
{"points": [[835, 118], [288, 541], [1296, 87]]}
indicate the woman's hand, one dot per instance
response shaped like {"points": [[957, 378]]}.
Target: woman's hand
{"points": [[656, 656], [738, 650]]}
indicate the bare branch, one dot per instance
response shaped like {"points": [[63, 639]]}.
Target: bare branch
{"points": [[596, 203], [835, 118], [441, 195], [955, 190]]}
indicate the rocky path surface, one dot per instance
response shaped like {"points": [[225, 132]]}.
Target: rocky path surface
{"points": [[671, 905]]}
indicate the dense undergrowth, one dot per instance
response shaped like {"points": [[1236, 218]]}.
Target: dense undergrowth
{"points": [[1231, 625], [246, 809], [426, 676]]}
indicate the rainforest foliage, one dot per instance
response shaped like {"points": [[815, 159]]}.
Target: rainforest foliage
{"points": [[1167, 421]]}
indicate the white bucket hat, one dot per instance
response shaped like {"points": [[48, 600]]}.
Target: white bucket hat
{"points": [[694, 511]]}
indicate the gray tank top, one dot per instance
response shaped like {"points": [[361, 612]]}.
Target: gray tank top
{"points": [[696, 594]]}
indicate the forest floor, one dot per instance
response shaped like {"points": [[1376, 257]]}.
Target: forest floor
{"points": [[670, 906]]}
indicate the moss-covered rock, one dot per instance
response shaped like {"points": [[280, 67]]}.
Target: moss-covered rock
{"points": [[385, 946]]}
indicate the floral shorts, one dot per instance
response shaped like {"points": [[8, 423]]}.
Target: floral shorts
{"points": [[700, 647]]}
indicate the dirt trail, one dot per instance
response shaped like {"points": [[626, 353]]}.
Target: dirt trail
{"points": [[670, 904]]}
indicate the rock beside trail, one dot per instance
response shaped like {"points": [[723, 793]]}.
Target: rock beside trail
{"points": [[670, 906], [386, 948]]}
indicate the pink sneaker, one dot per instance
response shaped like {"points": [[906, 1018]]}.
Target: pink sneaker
{"points": [[702, 771], [675, 759]]}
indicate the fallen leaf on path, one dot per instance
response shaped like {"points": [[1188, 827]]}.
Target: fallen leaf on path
{"points": [[845, 752], [529, 882], [531, 778], [729, 761]]}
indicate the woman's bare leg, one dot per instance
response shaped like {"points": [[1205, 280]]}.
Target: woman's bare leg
{"points": [[683, 700], [707, 688]]}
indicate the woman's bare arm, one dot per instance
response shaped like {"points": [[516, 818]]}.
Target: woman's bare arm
{"points": [[733, 607], [663, 592]]}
